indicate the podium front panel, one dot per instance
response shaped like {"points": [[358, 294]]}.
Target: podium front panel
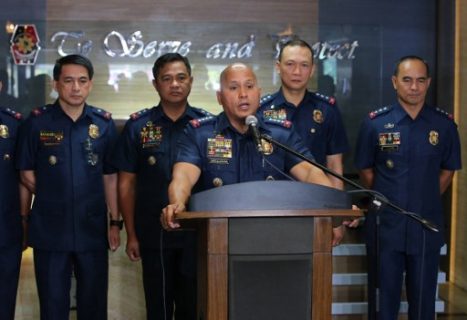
{"points": [[270, 287], [285, 235]]}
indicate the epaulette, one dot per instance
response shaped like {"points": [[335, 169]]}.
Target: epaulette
{"points": [[12, 113], [380, 111], [445, 113], [266, 99], [40, 110], [330, 100], [196, 123], [136, 115], [282, 123], [102, 113], [203, 112]]}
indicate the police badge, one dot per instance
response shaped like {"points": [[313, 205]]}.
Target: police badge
{"points": [[4, 131], [93, 131], [433, 137]]}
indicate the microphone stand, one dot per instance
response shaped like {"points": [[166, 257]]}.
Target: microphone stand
{"points": [[379, 199]]}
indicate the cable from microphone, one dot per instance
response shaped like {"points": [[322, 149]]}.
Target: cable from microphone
{"points": [[252, 122]]}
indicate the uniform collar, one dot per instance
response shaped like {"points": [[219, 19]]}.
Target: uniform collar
{"points": [[158, 113], [400, 113], [281, 101], [57, 111]]}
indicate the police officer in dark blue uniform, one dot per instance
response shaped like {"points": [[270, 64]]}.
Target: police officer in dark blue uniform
{"points": [[315, 117], [218, 150], [11, 234], [408, 151], [63, 155], [144, 156]]}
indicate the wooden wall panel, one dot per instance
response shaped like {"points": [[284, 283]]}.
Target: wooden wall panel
{"points": [[459, 241], [183, 10]]}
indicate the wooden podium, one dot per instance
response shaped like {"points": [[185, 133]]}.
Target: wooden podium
{"points": [[265, 249]]}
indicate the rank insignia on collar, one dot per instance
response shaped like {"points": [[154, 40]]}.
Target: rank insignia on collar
{"points": [[433, 137], [93, 131], [318, 116], [4, 131]]}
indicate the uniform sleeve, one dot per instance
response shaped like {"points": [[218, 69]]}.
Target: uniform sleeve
{"points": [[125, 156], [337, 141], [112, 136], [452, 155], [295, 143], [27, 145], [365, 148], [188, 148]]}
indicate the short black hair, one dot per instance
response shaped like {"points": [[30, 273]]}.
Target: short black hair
{"points": [[296, 43], [72, 59], [411, 57], [168, 58]]}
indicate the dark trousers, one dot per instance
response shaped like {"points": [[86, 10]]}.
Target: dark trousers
{"points": [[169, 281], [420, 282], [10, 262], [53, 277]]}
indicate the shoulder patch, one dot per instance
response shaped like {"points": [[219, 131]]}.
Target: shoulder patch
{"points": [[102, 113], [12, 113], [445, 113], [138, 114], [40, 110], [196, 123], [330, 100], [375, 113], [266, 99], [282, 123]]}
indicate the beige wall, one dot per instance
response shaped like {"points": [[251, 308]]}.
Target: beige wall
{"points": [[459, 237]]}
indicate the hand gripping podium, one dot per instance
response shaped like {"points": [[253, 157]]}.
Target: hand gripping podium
{"points": [[265, 250]]}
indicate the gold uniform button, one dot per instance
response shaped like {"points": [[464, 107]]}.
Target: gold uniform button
{"points": [[389, 163], [217, 182], [6, 157], [270, 178], [53, 160], [152, 160]]}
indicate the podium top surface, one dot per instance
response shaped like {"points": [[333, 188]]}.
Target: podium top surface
{"points": [[269, 195]]}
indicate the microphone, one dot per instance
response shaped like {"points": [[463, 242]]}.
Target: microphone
{"points": [[252, 122]]}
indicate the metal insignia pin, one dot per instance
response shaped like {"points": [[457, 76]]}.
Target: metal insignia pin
{"points": [[433, 137], [217, 182], [4, 131], [52, 160], [267, 147], [152, 160], [93, 131], [318, 116]]}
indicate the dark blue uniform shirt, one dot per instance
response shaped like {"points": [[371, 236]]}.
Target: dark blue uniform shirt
{"points": [[317, 120], [226, 156], [69, 160], [147, 148], [407, 156], [10, 219]]}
